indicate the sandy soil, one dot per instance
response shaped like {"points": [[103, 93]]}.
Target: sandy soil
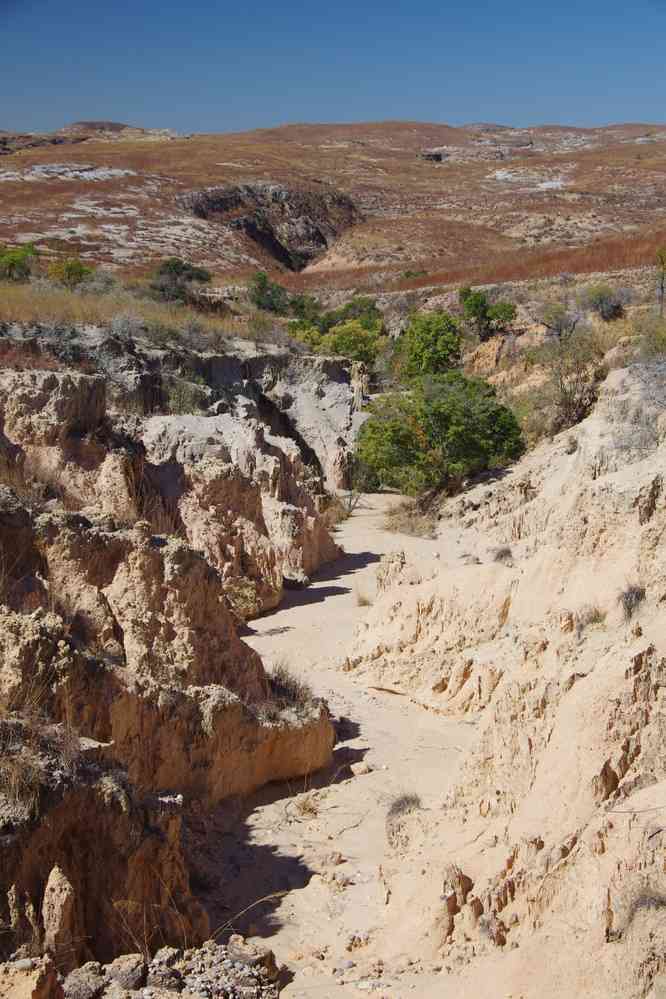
{"points": [[323, 843]]}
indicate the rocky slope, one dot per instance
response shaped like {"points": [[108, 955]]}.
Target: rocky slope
{"points": [[542, 625], [133, 541]]}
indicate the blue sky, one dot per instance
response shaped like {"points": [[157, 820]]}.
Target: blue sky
{"points": [[208, 66]]}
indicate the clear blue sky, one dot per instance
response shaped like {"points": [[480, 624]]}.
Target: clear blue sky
{"points": [[206, 66]]}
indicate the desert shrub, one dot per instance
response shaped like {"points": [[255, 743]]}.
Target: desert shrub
{"points": [[362, 598], [573, 369], [630, 599], [558, 318], [503, 554], [268, 295], [434, 436], [652, 333], [608, 303], [99, 282], [174, 277], [70, 272], [399, 809], [429, 346], [409, 517], [285, 692], [16, 262], [486, 317], [403, 804], [589, 616]]}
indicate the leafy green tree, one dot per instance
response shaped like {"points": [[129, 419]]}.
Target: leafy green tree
{"points": [[429, 346], [71, 271], [268, 295], [16, 262], [488, 319], [445, 429], [173, 279], [351, 339]]}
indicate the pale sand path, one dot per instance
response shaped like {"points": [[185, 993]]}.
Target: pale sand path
{"points": [[409, 749]]}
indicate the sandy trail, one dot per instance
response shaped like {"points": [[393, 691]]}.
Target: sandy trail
{"points": [[288, 834]]}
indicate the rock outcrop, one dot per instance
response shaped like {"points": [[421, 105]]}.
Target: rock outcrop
{"points": [[294, 225], [131, 545]]}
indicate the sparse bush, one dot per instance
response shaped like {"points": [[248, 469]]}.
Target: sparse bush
{"points": [[503, 554], [630, 599], [573, 368], [409, 517], [362, 599], [16, 262], [589, 616], [403, 804], [558, 318], [174, 277], [70, 272], [399, 809], [433, 437], [285, 692], [608, 303], [652, 332]]}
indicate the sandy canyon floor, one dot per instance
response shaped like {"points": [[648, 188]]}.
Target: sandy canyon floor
{"points": [[320, 845]]}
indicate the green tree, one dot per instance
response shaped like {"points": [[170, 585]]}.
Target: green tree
{"points": [[16, 262], [488, 319], [351, 339], [445, 429], [429, 346], [71, 271]]}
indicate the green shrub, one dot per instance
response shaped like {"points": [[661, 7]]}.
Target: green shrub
{"points": [[173, 279], [350, 339], [69, 272], [16, 262], [268, 295], [362, 308], [487, 318], [305, 307], [445, 429], [429, 346]]}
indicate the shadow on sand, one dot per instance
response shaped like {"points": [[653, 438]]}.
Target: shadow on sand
{"points": [[241, 883]]}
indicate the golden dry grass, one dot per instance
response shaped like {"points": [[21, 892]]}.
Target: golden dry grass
{"points": [[29, 303]]}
